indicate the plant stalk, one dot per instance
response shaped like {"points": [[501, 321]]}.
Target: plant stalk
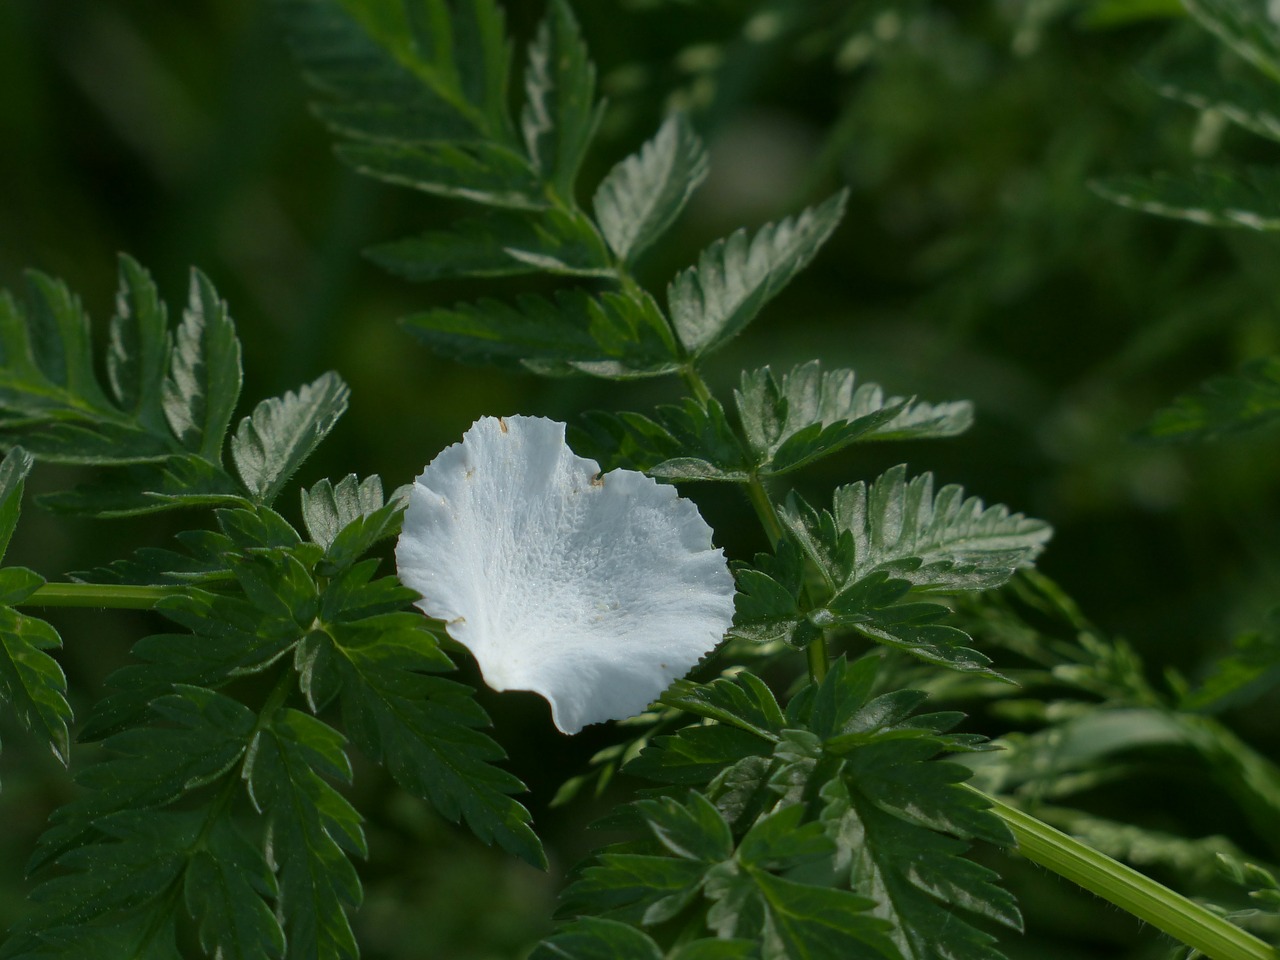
{"points": [[101, 595], [1136, 893]]}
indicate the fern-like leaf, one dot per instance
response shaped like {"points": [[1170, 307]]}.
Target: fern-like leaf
{"points": [[793, 420], [272, 442], [1222, 406], [613, 335], [1209, 197], [31, 682], [642, 196], [735, 277]]}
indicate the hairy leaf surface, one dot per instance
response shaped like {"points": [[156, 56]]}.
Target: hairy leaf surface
{"points": [[805, 414], [642, 196], [272, 442], [734, 278], [560, 115]]}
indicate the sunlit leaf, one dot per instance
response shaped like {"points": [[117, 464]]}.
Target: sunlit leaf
{"points": [[734, 278], [642, 196], [272, 442]]}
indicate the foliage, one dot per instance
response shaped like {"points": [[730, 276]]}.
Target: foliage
{"points": [[211, 806], [1226, 197], [798, 798]]}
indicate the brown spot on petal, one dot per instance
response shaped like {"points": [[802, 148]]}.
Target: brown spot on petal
{"points": [[597, 480], [502, 425]]}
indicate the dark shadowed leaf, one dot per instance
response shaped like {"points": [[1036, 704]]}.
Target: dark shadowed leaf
{"points": [[1222, 406]]}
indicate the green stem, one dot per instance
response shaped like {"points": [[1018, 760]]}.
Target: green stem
{"points": [[1130, 890], [101, 595], [816, 651], [765, 510]]}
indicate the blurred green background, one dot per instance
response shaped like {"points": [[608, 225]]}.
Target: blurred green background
{"points": [[974, 263]]}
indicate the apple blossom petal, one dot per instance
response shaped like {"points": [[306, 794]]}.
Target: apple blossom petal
{"points": [[594, 591]]}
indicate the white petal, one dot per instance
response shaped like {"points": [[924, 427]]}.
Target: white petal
{"points": [[595, 592]]}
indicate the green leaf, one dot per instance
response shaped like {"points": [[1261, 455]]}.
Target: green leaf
{"points": [[693, 831], [484, 173], [613, 335], [695, 756], [171, 397], [120, 855], [735, 277], [405, 72], [500, 244], [1249, 101], [959, 543], [745, 702], [917, 877], [642, 196], [560, 115], [328, 509], [179, 480], [14, 468], [591, 938], [31, 682], [203, 558], [272, 442], [806, 414], [358, 537], [257, 526], [231, 637], [808, 922], [352, 594], [1247, 673], [138, 349], [50, 399], [223, 889], [1222, 406], [716, 950], [882, 543], [141, 856], [745, 900], [888, 807], [875, 607], [692, 441], [425, 729], [145, 934], [767, 605], [1248, 28], [1248, 198], [848, 785], [203, 382], [312, 827], [17, 584]]}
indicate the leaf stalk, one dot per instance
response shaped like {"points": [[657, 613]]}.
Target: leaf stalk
{"points": [[100, 595], [1134, 892]]}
